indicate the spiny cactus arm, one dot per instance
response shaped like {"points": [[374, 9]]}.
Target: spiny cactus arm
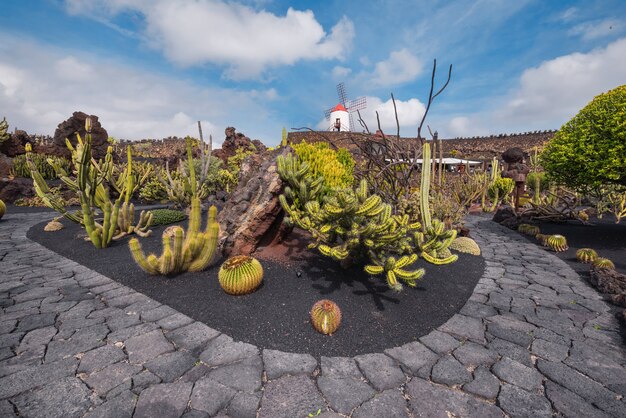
{"points": [[425, 186], [192, 171], [195, 216], [439, 261], [150, 264], [209, 249]]}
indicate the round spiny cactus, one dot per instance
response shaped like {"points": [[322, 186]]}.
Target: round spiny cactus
{"points": [[586, 255], [603, 263], [542, 239], [325, 316], [53, 226], [557, 243], [3, 209], [528, 229], [465, 245], [240, 275]]}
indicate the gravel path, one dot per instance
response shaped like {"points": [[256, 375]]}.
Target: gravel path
{"points": [[533, 340]]}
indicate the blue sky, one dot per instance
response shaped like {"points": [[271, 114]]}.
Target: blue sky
{"points": [[152, 68]]}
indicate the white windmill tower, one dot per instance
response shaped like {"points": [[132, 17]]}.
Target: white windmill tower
{"points": [[340, 117]]}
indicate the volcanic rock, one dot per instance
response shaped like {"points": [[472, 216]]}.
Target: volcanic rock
{"points": [[76, 125]]}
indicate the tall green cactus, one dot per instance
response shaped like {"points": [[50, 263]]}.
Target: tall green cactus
{"points": [[425, 186], [126, 216], [4, 130], [283, 141], [181, 185]]}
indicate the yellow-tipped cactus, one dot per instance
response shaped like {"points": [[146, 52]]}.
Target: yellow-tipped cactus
{"points": [[603, 263], [325, 316], [557, 243], [528, 229], [393, 270], [3, 209], [586, 255], [240, 275], [465, 245]]}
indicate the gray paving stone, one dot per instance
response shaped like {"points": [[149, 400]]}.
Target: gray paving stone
{"points": [[144, 379], [36, 321], [465, 327], [223, 350], [36, 376], [549, 350], [340, 367], [193, 337], [111, 376], [413, 356], [147, 346], [6, 410], [194, 413], [517, 374], [174, 321], [124, 334], [11, 340], [381, 370], [278, 363], [122, 320], [485, 384], [583, 386], [568, 404], [433, 401], [99, 358], [41, 336], [67, 397], [197, 372], [211, 396], [290, 396], [165, 400], [23, 306], [389, 403], [243, 376], [171, 366], [344, 394], [244, 405], [512, 351], [519, 403], [440, 342], [158, 313], [7, 326], [450, 372], [599, 368], [36, 293], [6, 353], [80, 342], [121, 406], [471, 354]]}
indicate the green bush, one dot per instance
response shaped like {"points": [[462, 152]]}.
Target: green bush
{"points": [[589, 150], [167, 216], [20, 168], [336, 167]]}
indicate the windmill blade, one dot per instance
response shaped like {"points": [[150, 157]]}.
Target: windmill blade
{"points": [[357, 104], [341, 92], [351, 122], [327, 113]]}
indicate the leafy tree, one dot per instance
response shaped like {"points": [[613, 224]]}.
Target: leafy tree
{"points": [[590, 150]]}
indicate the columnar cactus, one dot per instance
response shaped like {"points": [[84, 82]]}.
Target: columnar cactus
{"points": [[603, 263], [557, 243], [465, 245], [393, 269], [240, 275], [586, 255], [325, 316], [4, 130], [528, 229]]}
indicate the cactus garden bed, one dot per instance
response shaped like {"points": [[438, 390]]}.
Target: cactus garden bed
{"points": [[276, 316]]}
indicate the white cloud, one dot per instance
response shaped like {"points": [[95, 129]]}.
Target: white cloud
{"points": [[41, 86], [244, 40], [596, 29], [409, 115], [401, 67], [550, 94], [340, 72], [568, 14]]}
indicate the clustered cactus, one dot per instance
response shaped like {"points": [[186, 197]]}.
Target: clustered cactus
{"points": [[167, 216], [557, 243], [528, 229], [586, 255], [325, 316], [240, 275], [465, 245]]}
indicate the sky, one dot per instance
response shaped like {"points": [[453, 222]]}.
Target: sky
{"points": [[153, 68]]}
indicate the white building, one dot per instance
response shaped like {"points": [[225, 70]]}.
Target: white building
{"points": [[339, 119]]}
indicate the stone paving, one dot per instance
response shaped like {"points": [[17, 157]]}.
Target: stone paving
{"points": [[533, 340]]}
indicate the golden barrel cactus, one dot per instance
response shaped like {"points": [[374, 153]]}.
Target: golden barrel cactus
{"points": [[3, 209], [528, 229], [557, 243], [325, 316], [603, 263], [465, 245], [586, 255], [240, 275]]}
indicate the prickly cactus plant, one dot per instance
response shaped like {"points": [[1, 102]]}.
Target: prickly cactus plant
{"points": [[465, 245], [393, 269], [325, 316], [557, 243], [167, 216], [528, 229], [240, 275], [586, 255], [3, 209], [4, 128], [603, 263]]}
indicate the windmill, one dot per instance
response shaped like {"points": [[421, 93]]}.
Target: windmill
{"points": [[350, 105]]}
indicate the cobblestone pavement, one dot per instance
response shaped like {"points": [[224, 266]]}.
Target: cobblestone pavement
{"points": [[533, 340]]}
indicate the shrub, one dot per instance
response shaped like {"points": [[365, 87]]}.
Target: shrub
{"points": [[167, 216], [20, 166], [588, 151], [336, 167]]}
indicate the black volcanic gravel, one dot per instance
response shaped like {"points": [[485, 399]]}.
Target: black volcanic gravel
{"points": [[276, 316]]}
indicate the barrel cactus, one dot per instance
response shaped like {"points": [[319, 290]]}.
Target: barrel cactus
{"points": [[240, 275], [542, 239], [528, 229], [557, 243], [465, 245], [325, 316], [3, 209], [603, 263], [586, 255], [53, 226]]}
